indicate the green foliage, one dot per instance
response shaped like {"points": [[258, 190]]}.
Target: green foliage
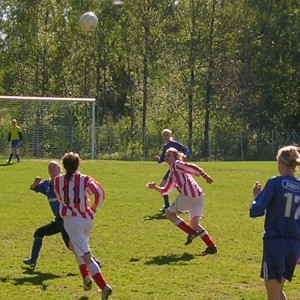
{"points": [[144, 254], [187, 64]]}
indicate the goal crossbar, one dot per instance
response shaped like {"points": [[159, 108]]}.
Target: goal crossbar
{"points": [[27, 98]]}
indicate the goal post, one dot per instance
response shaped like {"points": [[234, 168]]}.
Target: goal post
{"points": [[51, 125]]}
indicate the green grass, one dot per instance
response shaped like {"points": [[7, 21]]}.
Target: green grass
{"points": [[144, 254]]}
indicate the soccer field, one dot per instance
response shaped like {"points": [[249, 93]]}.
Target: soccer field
{"points": [[144, 254]]}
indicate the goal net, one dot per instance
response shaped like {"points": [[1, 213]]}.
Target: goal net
{"points": [[51, 126]]}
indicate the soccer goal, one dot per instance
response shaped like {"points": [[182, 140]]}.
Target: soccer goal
{"points": [[51, 126]]}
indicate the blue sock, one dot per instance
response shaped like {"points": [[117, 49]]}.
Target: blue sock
{"points": [[36, 248]]}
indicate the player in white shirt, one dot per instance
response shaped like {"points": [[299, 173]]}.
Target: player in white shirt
{"points": [[190, 199], [73, 190]]}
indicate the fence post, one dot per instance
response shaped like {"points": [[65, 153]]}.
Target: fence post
{"points": [[242, 146]]}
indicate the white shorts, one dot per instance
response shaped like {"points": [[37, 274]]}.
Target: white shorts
{"points": [[79, 230], [184, 204]]}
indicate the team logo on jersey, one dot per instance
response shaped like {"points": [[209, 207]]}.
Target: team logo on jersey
{"points": [[291, 185]]}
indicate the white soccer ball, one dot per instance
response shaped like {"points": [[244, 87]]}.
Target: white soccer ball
{"points": [[117, 2], [88, 21]]}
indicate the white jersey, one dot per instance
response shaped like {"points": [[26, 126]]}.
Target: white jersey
{"points": [[74, 195], [181, 176]]}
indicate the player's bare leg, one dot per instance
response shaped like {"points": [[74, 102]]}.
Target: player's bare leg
{"points": [[275, 289]]}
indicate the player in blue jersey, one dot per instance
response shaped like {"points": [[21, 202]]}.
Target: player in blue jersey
{"points": [[279, 201], [169, 142], [46, 187]]}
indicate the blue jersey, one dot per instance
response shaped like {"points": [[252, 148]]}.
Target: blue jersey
{"points": [[174, 144], [47, 188], [280, 201]]}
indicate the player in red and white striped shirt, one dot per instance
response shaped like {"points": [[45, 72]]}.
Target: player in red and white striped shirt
{"points": [[73, 190], [190, 199]]}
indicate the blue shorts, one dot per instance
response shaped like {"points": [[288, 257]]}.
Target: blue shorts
{"points": [[280, 257], [16, 144]]}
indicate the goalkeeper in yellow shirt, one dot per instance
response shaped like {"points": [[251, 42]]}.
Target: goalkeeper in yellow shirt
{"points": [[15, 137]]}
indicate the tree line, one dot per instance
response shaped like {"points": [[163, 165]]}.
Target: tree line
{"points": [[222, 74]]}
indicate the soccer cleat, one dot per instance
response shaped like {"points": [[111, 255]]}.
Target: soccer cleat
{"points": [[87, 283], [163, 210], [107, 291], [27, 261], [210, 250], [98, 262], [190, 238]]}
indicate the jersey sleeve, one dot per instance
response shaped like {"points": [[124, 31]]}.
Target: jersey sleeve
{"points": [[259, 205], [183, 149], [187, 152], [94, 188], [42, 187], [189, 168], [163, 154], [169, 187]]}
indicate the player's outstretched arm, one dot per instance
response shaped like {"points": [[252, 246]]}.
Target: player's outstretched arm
{"points": [[153, 186]]}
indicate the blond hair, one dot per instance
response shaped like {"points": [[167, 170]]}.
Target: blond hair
{"points": [[290, 156], [54, 162], [166, 130], [178, 155]]}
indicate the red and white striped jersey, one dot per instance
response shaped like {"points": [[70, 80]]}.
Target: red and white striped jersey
{"points": [[181, 176], [74, 195]]}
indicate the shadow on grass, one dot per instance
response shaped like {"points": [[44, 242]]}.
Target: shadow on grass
{"points": [[158, 216], [170, 259], [35, 278], [6, 164]]}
